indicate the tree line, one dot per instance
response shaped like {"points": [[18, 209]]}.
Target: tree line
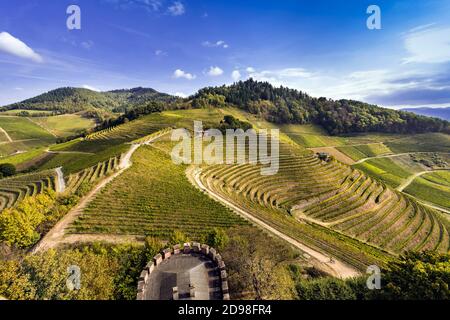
{"points": [[283, 105]]}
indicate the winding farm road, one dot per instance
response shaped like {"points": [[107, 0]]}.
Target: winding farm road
{"points": [[396, 155], [340, 269], [57, 235], [6, 134]]}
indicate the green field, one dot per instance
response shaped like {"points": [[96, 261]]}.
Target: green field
{"points": [[65, 125], [359, 152], [25, 134], [15, 112], [432, 187], [385, 169], [154, 198], [21, 128], [429, 142]]}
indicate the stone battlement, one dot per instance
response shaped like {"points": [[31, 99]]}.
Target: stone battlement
{"points": [[194, 248]]}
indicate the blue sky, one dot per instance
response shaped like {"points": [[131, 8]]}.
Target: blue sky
{"points": [[322, 47]]}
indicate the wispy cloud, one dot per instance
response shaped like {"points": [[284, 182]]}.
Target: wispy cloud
{"points": [[176, 9], [182, 74], [148, 5], [87, 44], [428, 44], [160, 53], [217, 44], [18, 48]]}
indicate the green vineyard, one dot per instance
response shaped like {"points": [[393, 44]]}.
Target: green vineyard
{"points": [[14, 189], [92, 174], [155, 198], [330, 198]]}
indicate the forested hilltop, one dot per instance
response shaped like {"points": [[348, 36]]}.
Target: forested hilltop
{"points": [[284, 105], [71, 100]]}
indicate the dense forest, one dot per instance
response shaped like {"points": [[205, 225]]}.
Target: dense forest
{"points": [[71, 100], [284, 105]]}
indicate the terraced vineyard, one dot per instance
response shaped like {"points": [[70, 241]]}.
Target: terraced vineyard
{"points": [[330, 200], [14, 189], [93, 174], [132, 130], [155, 198], [363, 151]]}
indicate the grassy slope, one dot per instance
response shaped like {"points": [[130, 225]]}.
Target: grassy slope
{"points": [[65, 125], [432, 187]]}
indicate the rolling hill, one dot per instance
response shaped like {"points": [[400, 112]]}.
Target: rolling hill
{"points": [[71, 100]]}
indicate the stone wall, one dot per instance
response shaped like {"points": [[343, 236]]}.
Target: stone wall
{"points": [[187, 248]]}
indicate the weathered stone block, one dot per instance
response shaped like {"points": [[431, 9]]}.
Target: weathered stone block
{"points": [[196, 247], [212, 254], [157, 259], [187, 248], [225, 287], [148, 266], [205, 249], [218, 259], [223, 275], [144, 276], [221, 265], [226, 296], [141, 286], [140, 296], [176, 249], [166, 253]]}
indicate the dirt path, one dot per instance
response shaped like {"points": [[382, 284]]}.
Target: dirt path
{"points": [[340, 269], [410, 179], [395, 155], [61, 185], [6, 135], [57, 235]]}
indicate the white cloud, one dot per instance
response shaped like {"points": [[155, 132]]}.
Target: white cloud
{"points": [[176, 9], [160, 53], [428, 44], [181, 74], [17, 48], [250, 70], [217, 44], [236, 75], [181, 94], [214, 72], [85, 86], [280, 75], [87, 44]]}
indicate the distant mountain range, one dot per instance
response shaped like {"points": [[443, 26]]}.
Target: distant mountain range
{"points": [[71, 100], [442, 113]]}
